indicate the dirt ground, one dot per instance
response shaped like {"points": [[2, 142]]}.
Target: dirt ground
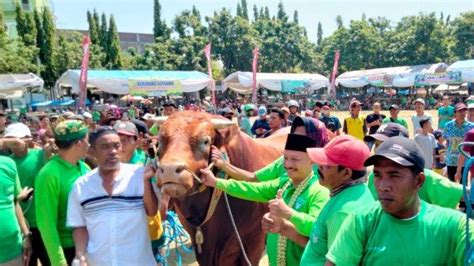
{"points": [[189, 259]]}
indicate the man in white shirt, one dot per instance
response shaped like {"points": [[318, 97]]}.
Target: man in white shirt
{"points": [[419, 115], [108, 206]]}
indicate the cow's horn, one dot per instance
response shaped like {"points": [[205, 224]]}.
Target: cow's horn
{"points": [[159, 119], [221, 123]]}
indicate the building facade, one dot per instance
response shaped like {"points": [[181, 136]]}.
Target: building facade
{"points": [[8, 7]]}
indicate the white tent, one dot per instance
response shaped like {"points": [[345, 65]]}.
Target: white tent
{"points": [[13, 85], [466, 68], [445, 88], [241, 82], [403, 76], [149, 82]]}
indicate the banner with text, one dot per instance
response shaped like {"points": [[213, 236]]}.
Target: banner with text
{"points": [[451, 77], [154, 88]]}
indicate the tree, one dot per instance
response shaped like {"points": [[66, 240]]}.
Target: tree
{"points": [[39, 34], [113, 53], [463, 33], [104, 40], [159, 26], [281, 15], [70, 49], [295, 17], [245, 11], [21, 26], [239, 10], [49, 61], [3, 27], [319, 34], [30, 37], [339, 21], [255, 13], [267, 13], [93, 29]]}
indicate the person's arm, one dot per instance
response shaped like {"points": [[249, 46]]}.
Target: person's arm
{"points": [[289, 230], [149, 197], [344, 128], [254, 127], [364, 127], [47, 192], [233, 171], [81, 238], [252, 191], [27, 250]]}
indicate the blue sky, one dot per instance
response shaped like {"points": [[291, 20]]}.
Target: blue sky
{"points": [[137, 15]]}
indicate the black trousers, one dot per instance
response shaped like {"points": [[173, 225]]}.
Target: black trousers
{"points": [[40, 253], [452, 173]]}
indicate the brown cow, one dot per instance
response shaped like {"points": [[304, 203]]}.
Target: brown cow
{"points": [[185, 142]]}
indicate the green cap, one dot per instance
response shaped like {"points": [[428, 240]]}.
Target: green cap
{"points": [[70, 130]]}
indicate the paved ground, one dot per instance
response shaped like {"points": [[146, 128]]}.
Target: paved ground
{"points": [[191, 260]]}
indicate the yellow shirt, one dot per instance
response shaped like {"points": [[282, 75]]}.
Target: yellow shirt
{"points": [[355, 127]]}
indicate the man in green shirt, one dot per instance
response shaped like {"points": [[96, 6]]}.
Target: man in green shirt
{"points": [[52, 187], [394, 110], [294, 202], [344, 176], [130, 153], [28, 162], [400, 229], [14, 250], [445, 112], [436, 190]]}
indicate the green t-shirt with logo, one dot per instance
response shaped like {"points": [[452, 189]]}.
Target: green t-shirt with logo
{"points": [[138, 157], [436, 190], [52, 187], [28, 167], [329, 221], [400, 121], [306, 208], [435, 236], [10, 234], [276, 169]]}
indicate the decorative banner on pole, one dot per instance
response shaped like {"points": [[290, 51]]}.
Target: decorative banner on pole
{"points": [[207, 53], [332, 89], [254, 75], [83, 77]]}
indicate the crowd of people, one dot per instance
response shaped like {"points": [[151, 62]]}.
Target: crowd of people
{"points": [[80, 188]]}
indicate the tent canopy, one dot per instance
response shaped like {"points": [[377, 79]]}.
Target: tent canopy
{"points": [[13, 85], [136, 82], [241, 82], [466, 68], [402, 76]]}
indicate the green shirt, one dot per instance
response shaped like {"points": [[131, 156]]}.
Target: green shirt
{"points": [[96, 116], [445, 113], [10, 234], [436, 236], [154, 130], [138, 157], [28, 167], [277, 169], [401, 121], [53, 184], [436, 190], [307, 208], [245, 126], [330, 220]]}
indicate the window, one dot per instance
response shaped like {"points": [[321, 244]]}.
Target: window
{"points": [[25, 4]]}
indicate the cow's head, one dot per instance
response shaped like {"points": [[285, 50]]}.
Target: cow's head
{"points": [[185, 140]]}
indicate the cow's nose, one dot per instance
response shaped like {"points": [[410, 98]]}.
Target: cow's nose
{"points": [[171, 169]]}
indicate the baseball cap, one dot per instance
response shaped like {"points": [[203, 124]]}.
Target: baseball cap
{"points": [[470, 106], [17, 130], [126, 128], [356, 102], [460, 106], [170, 103], [225, 111], [148, 116], [87, 115], [262, 110], [387, 131], [285, 109], [140, 125], [326, 107], [336, 151], [419, 100], [394, 106], [437, 134], [293, 103], [400, 150]]}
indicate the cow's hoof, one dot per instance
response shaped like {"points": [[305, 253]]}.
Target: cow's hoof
{"points": [[174, 190]]}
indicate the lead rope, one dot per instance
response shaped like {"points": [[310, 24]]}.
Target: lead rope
{"points": [[468, 199], [231, 216]]}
